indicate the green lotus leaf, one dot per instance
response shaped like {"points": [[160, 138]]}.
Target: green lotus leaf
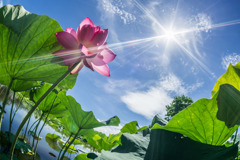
{"points": [[169, 145], [228, 101], [102, 142], [199, 122], [133, 147], [52, 101], [132, 127], [71, 148], [51, 139], [21, 145], [70, 126], [76, 141], [28, 41], [163, 144], [22, 85], [82, 156], [82, 119], [54, 137], [232, 77], [159, 120]]}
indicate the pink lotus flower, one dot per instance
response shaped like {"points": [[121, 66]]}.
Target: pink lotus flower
{"points": [[87, 44]]}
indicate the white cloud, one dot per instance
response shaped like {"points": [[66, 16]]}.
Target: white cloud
{"points": [[109, 129], [232, 58], [172, 83], [203, 22], [117, 7], [147, 103], [117, 86], [153, 101]]}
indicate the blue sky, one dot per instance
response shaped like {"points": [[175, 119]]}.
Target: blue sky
{"points": [[164, 49]]}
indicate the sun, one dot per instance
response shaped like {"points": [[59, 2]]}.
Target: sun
{"points": [[170, 34]]}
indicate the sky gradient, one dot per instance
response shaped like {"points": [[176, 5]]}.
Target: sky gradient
{"points": [[164, 49]]}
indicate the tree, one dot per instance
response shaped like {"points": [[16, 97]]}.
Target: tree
{"points": [[179, 103]]}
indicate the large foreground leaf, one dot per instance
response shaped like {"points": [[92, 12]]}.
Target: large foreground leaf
{"points": [[22, 85], [199, 122], [228, 101], [166, 145], [27, 43]]}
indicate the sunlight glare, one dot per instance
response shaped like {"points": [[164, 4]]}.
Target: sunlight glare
{"points": [[170, 35]]}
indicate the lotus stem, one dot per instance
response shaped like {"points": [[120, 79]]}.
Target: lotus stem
{"points": [[5, 101], [35, 150], [26, 128], [64, 146], [32, 124], [70, 143], [235, 137], [10, 119], [36, 105], [17, 108], [35, 132], [2, 90]]}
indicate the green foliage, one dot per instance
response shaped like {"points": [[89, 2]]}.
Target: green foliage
{"points": [[22, 85], [76, 141], [54, 137], [51, 139], [27, 47], [82, 156], [133, 147], [6, 156], [28, 42], [230, 77], [229, 95], [179, 103], [82, 119], [21, 145], [71, 148], [170, 145], [157, 119], [199, 122], [132, 127], [228, 105], [100, 141], [162, 144], [52, 101]]}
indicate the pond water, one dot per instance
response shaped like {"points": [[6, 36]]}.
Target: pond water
{"points": [[43, 148]]}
